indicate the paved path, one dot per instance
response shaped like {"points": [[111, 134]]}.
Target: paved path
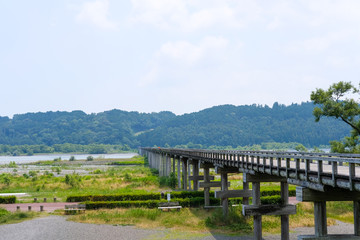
{"points": [[51, 206], [48, 207], [57, 228]]}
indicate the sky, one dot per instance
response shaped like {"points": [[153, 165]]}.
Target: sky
{"points": [[175, 55]]}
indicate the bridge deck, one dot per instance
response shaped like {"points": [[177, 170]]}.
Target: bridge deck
{"points": [[312, 170]]}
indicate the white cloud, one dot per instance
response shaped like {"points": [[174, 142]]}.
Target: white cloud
{"points": [[189, 16], [180, 56], [189, 53], [317, 44], [96, 13]]}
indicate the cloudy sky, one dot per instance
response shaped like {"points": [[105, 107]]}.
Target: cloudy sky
{"points": [[177, 55]]}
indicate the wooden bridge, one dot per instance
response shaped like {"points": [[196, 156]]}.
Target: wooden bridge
{"points": [[320, 177]]}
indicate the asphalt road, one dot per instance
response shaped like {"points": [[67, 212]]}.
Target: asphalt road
{"points": [[57, 228]]}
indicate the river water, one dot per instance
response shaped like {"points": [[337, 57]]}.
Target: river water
{"points": [[47, 157]]}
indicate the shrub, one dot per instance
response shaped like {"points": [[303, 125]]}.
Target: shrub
{"points": [[73, 180], [271, 200], [97, 171], [117, 197], [127, 177], [90, 158], [272, 191], [188, 202], [7, 199], [72, 158], [12, 164], [33, 173]]}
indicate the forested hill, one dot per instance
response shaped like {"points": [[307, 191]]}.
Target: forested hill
{"points": [[110, 127], [225, 125], [234, 126]]}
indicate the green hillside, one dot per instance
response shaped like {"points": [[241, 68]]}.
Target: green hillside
{"points": [[225, 125]]}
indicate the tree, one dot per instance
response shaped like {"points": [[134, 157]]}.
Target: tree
{"points": [[336, 102], [301, 148]]}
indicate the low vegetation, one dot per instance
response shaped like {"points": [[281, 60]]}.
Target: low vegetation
{"points": [[7, 217]]}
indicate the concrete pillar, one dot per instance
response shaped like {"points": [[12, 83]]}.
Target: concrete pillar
{"points": [[285, 235], [173, 165], [320, 219], [163, 164], [224, 187], [184, 173], [160, 165], [356, 218], [196, 175], [257, 219], [207, 189], [178, 173], [188, 175], [168, 165], [245, 199]]}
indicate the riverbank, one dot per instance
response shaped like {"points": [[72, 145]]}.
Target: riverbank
{"points": [[63, 156]]}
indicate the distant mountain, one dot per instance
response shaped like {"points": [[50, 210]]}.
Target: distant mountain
{"points": [[225, 125], [110, 127], [229, 125]]}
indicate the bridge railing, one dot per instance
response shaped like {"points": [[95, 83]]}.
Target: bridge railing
{"points": [[296, 166]]}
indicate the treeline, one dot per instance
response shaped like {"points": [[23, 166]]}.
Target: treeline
{"points": [[255, 147], [227, 125], [29, 150], [235, 126]]}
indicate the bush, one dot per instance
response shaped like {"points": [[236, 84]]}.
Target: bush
{"points": [[196, 195], [72, 158], [7, 199], [188, 202], [271, 200], [97, 171], [90, 158], [73, 180], [117, 197], [272, 191], [12, 164]]}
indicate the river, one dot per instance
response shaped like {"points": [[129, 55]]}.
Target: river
{"points": [[47, 157]]}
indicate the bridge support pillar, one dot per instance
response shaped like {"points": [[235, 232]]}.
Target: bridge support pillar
{"points": [[189, 161], [207, 189], [224, 171], [258, 218], [195, 164], [184, 172], [178, 173], [357, 218], [320, 218], [319, 198], [224, 187], [257, 210], [167, 165], [161, 165], [285, 226], [206, 184], [245, 199], [173, 165]]}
